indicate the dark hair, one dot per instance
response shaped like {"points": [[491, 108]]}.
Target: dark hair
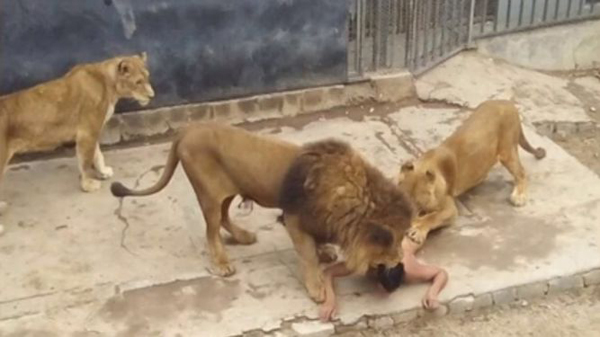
{"points": [[391, 278]]}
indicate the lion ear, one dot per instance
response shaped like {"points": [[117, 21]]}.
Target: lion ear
{"points": [[144, 56], [124, 68], [430, 175], [408, 166], [380, 236]]}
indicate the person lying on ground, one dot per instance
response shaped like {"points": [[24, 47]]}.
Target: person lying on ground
{"points": [[410, 270]]}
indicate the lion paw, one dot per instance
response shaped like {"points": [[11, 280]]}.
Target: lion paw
{"points": [[90, 185], [3, 207], [416, 235], [105, 172], [518, 199], [316, 289], [222, 269]]}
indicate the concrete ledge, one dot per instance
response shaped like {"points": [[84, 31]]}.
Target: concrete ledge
{"points": [[150, 123], [303, 327]]}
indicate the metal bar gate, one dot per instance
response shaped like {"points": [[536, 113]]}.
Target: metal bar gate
{"points": [[387, 35]]}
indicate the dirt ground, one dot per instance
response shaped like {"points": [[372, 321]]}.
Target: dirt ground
{"points": [[567, 314], [581, 141]]}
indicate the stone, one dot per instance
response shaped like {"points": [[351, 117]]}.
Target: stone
{"points": [[565, 283], [380, 323], [313, 329], [483, 301], [111, 132], [405, 316], [591, 278], [504, 296], [532, 290], [461, 304]]}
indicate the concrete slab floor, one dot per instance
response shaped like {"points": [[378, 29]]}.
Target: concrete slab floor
{"points": [[75, 264]]}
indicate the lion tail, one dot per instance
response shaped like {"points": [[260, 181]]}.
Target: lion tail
{"points": [[539, 152], [119, 190]]}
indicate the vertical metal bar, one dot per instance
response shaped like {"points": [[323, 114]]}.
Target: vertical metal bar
{"points": [[470, 27], [374, 35], [409, 38], [444, 26], [383, 23], [415, 42], [507, 25], [434, 28], [455, 24], [592, 4], [545, 10], [357, 39], [580, 7], [496, 15], [556, 7], [484, 15], [521, 5], [426, 22], [392, 30], [459, 23], [423, 31], [533, 7], [569, 8]]}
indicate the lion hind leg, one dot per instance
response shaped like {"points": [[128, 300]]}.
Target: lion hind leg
{"points": [[309, 260], [239, 234], [210, 200], [512, 163]]}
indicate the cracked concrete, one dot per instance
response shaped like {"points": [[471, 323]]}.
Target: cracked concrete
{"points": [[76, 264]]}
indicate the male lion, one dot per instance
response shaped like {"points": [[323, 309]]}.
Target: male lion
{"points": [[73, 107], [492, 133], [332, 195]]}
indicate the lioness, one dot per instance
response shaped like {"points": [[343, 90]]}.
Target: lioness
{"points": [[332, 195], [492, 133], [73, 107]]}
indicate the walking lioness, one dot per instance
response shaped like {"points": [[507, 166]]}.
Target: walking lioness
{"points": [[492, 133], [73, 107]]}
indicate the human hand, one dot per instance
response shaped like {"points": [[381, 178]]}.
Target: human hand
{"points": [[327, 311]]}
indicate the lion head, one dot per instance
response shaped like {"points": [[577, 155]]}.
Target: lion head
{"points": [[376, 244], [424, 183], [133, 79]]}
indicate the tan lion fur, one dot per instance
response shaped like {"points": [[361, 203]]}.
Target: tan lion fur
{"points": [[221, 162], [492, 133], [332, 195], [71, 108]]}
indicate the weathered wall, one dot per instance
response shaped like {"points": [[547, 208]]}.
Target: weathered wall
{"points": [[564, 47], [198, 50]]}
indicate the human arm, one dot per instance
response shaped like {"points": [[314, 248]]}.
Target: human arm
{"points": [[328, 307], [417, 272]]}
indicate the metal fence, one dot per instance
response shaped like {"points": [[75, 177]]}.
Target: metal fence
{"points": [[386, 35]]}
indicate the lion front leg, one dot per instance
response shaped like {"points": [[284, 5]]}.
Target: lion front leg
{"points": [[423, 225], [103, 171], [86, 148], [307, 250]]}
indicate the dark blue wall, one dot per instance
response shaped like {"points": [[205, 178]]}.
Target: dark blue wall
{"points": [[198, 50]]}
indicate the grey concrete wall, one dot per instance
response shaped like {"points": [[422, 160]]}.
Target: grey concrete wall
{"points": [[199, 50], [564, 47]]}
